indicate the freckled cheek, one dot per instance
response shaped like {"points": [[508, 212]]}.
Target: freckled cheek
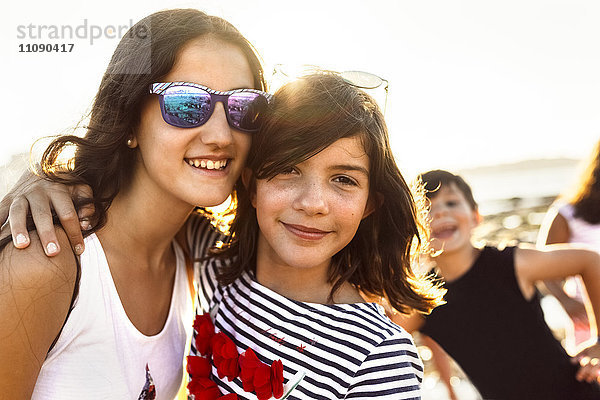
{"points": [[349, 213]]}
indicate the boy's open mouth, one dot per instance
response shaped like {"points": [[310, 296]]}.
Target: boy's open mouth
{"points": [[443, 232]]}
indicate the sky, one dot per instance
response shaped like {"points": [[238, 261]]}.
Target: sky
{"points": [[470, 82]]}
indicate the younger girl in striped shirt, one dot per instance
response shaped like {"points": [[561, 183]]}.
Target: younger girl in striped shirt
{"points": [[324, 216]]}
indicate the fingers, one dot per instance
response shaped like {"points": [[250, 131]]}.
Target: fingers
{"points": [[40, 199], [42, 218], [69, 219], [86, 211], [589, 369], [18, 222]]}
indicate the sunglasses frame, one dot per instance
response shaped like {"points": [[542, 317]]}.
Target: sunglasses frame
{"points": [[215, 97], [305, 69]]}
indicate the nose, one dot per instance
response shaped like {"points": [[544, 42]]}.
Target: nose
{"points": [[311, 198], [438, 210], [216, 131]]}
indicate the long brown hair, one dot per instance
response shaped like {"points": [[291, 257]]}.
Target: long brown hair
{"points": [[586, 197], [145, 54], [305, 117]]}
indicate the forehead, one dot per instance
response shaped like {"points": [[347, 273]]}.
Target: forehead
{"points": [[212, 62], [344, 151], [448, 190]]}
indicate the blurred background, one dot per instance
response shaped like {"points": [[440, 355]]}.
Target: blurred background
{"points": [[505, 93]]}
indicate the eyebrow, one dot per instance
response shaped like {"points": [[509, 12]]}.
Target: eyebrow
{"points": [[350, 167]]}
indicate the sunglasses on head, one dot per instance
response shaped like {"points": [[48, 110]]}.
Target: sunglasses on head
{"points": [[359, 79], [189, 105]]}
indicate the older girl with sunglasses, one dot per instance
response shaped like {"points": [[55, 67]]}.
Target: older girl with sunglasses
{"points": [[112, 323]]}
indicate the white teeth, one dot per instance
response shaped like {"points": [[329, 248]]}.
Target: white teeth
{"points": [[207, 164]]}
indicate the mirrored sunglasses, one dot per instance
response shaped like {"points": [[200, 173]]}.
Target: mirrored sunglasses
{"points": [[189, 105]]}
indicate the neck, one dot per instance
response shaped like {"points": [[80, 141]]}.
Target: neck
{"points": [[141, 225], [453, 265], [301, 284], [305, 284]]}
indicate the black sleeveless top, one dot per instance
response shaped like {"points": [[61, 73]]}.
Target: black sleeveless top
{"points": [[500, 339]]}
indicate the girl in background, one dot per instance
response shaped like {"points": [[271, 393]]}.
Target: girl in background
{"points": [[575, 218]]}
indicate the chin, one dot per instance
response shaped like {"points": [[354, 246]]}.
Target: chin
{"points": [[304, 263], [209, 199]]}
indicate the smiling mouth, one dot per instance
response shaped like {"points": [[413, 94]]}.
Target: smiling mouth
{"points": [[200, 163], [305, 232], [444, 233]]}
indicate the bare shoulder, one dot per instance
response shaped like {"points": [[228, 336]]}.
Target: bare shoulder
{"points": [[30, 268], [35, 295]]}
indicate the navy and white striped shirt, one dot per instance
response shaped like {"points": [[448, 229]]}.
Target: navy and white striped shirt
{"points": [[346, 351]]}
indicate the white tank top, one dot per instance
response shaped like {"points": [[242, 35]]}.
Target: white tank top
{"points": [[580, 231], [100, 354]]}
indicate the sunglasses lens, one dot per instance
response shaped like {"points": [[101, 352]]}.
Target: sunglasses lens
{"points": [[185, 107], [362, 79], [246, 110]]}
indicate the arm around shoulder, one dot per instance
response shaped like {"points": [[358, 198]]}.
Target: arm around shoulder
{"points": [[35, 295]]}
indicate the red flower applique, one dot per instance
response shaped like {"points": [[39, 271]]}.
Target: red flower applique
{"points": [[225, 356], [205, 330], [256, 376], [204, 389], [277, 378], [198, 367]]}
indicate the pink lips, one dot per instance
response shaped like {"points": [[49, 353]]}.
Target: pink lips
{"points": [[305, 232], [443, 233]]}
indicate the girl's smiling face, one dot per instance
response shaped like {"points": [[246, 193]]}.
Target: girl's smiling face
{"points": [[174, 162], [311, 212], [452, 219]]}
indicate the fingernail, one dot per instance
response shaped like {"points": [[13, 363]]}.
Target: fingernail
{"points": [[51, 248], [85, 225], [78, 249], [20, 239]]}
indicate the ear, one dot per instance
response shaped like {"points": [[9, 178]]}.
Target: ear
{"points": [[373, 203], [247, 179], [477, 218]]}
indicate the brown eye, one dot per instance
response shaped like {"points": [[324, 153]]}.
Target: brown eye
{"points": [[345, 180], [288, 171]]}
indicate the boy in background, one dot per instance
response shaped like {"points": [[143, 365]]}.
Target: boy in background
{"points": [[493, 324]]}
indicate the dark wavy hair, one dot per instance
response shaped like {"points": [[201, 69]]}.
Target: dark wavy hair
{"points": [[304, 118], [433, 180], [586, 197], [145, 54]]}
